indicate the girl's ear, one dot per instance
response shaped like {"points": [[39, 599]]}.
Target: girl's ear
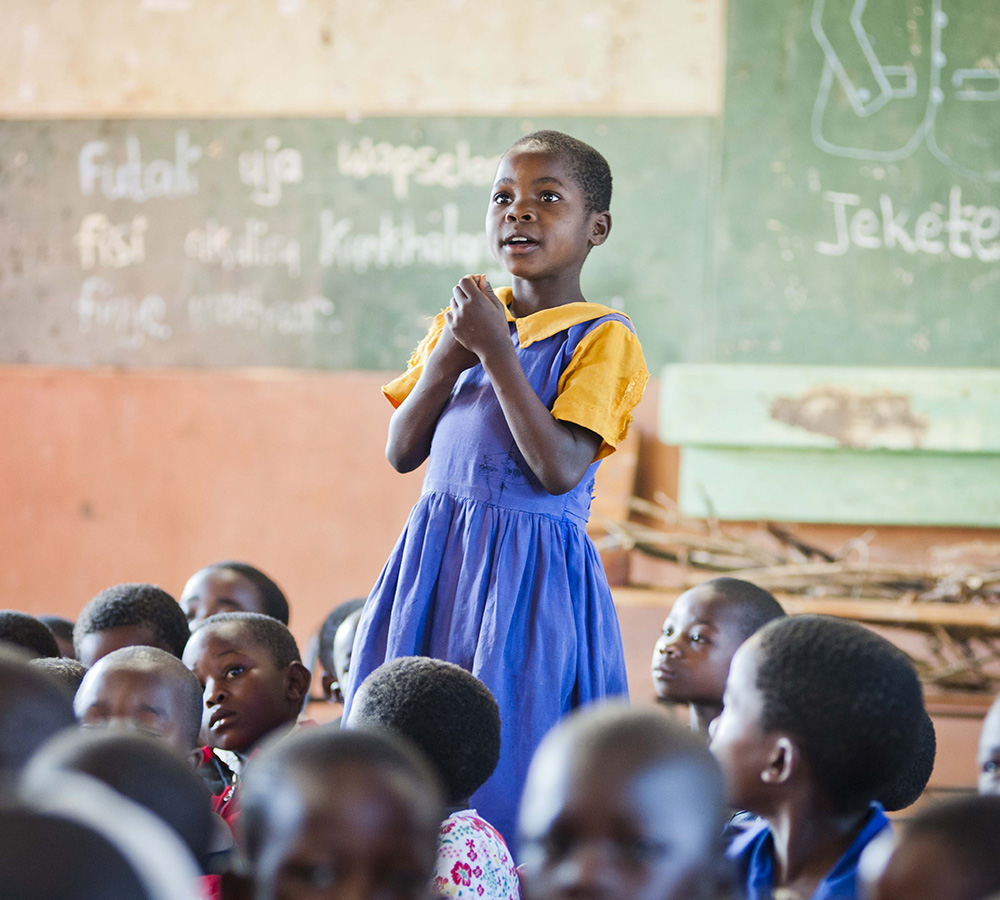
{"points": [[297, 682], [782, 762], [600, 228]]}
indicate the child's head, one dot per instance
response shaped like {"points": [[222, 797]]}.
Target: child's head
{"points": [[343, 650], [816, 705], [446, 712], [622, 804], [231, 587], [127, 615], [549, 206], [33, 707], [989, 751], [28, 633], [68, 672], [139, 767], [252, 677], [143, 687], [348, 813], [700, 635], [332, 688], [62, 631], [948, 851]]}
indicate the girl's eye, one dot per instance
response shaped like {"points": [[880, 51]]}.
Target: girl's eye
{"points": [[501, 198], [549, 196], [234, 671]]}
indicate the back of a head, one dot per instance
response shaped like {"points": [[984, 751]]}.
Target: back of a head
{"points": [[448, 713], [136, 604], [68, 672], [905, 788], [27, 632], [33, 707], [139, 767], [752, 606], [850, 698], [45, 857], [286, 771]]}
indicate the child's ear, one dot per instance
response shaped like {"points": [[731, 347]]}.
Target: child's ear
{"points": [[297, 681], [783, 760], [600, 228]]}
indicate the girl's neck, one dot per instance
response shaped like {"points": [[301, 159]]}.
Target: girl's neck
{"points": [[532, 296], [701, 715], [808, 840]]}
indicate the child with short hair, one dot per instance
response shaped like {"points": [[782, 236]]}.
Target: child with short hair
{"points": [[701, 633], [623, 803], [62, 631], [328, 632], [68, 672], [127, 615], [819, 715], [253, 685], [144, 687], [514, 397], [231, 587], [345, 813], [24, 631], [452, 717], [948, 851]]}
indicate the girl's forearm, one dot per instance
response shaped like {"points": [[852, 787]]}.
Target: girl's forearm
{"points": [[558, 453], [411, 427]]}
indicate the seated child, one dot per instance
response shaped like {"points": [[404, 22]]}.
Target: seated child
{"points": [[253, 685], [62, 631], [622, 803], [453, 718], [820, 714], [339, 814], [139, 767], [700, 635], [28, 633], [68, 672], [33, 707], [127, 615], [231, 587], [989, 751], [327, 638], [144, 687], [948, 851]]}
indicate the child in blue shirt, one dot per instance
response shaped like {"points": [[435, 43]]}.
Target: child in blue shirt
{"points": [[819, 715]]}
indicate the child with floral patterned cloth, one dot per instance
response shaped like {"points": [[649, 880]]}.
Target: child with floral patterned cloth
{"points": [[513, 398], [454, 719]]}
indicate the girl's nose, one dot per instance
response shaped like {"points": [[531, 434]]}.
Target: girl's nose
{"points": [[519, 214], [214, 693]]}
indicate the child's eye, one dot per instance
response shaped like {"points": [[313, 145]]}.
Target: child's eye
{"points": [[549, 196], [235, 671], [501, 198], [990, 768], [668, 630], [698, 638]]}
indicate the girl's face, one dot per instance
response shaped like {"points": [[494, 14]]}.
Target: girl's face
{"points": [[537, 223], [738, 742], [212, 591]]}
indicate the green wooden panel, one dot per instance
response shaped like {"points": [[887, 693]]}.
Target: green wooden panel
{"points": [[309, 242], [873, 487], [747, 405], [859, 202]]}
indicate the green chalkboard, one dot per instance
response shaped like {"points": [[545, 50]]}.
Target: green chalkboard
{"points": [[858, 208], [310, 242]]}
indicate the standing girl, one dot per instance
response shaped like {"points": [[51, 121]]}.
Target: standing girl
{"points": [[514, 397]]}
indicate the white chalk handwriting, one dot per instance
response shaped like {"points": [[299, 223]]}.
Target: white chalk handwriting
{"points": [[130, 320], [965, 231], [134, 179], [113, 246], [397, 243], [266, 170], [248, 311], [425, 165], [252, 244]]}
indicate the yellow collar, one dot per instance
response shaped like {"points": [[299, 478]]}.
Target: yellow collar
{"points": [[546, 322]]}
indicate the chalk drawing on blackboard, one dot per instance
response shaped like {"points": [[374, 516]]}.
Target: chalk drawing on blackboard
{"points": [[896, 82]]}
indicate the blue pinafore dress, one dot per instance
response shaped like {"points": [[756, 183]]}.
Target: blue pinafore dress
{"points": [[492, 572]]}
